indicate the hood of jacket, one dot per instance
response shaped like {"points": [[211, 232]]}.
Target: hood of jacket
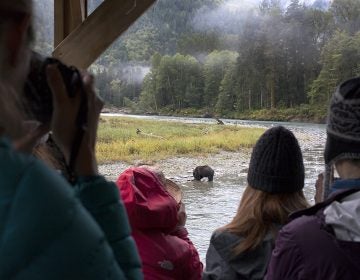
{"points": [[149, 206], [344, 217], [251, 264]]}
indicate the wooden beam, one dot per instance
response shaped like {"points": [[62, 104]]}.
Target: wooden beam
{"points": [[59, 22], [101, 28], [68, 15], [84, 9], [73, 15]]}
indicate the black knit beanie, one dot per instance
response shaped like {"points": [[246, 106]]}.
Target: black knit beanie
{"points": [[276, 164], [343, 126]]}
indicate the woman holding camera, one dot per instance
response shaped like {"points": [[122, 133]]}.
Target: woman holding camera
{"points": [[242, 248], [50, 229]]}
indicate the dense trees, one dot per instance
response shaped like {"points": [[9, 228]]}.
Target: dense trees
{"points": [[286, 57], [263, 57], [215, 67], [340, 60], [175, 81]]}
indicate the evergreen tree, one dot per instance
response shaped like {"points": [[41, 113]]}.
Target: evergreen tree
{"points": [[341, 61], [227, 97], [215, 66]]}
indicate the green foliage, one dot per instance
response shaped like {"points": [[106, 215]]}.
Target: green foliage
{"points": [[165, 28], [227, 96], [199, 42], [341, 61], [215, 66], [347, 14], [129, 103], [302, 113], [118, 82], [142, 44], [176, 82], [147, 98]]}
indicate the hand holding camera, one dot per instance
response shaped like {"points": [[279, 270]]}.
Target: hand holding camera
{"points": [[64, 98], [63, 122]]}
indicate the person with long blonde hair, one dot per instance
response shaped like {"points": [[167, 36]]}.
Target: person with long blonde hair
{"points": [[242, 248]]}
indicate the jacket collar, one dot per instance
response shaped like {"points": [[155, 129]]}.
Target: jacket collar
{"points": [[345, 185], [337, 196]]}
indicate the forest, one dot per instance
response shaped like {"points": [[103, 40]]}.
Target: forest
{"points": [[253, 59]]}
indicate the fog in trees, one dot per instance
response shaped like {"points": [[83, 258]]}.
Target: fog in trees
{"points": [[229, 57]]}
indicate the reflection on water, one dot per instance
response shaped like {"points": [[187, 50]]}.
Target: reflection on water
{"points": [[209, 206]]}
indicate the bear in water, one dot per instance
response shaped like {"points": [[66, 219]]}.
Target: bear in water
{"points": [[203, 171]]}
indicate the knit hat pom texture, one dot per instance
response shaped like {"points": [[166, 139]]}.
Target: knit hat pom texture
{"points": [[343, 123]]}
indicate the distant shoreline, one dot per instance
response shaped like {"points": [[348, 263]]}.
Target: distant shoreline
{"points": [[306, 114]]}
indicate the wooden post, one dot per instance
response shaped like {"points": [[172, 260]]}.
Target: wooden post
{"points": [[59, 18], [84, 9], [101, 28], [68, 15]]}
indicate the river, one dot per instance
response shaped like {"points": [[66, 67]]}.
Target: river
{"points": [[211, 205]]}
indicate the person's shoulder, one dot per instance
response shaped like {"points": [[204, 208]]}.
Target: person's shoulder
{"points": [[17, 168], [224, 236], [28, 175], [301, 223], [311, 219], [224, 241], [11, 159], [301, 228]]}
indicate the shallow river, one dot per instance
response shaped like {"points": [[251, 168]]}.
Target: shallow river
{"points": [[211, 205]]}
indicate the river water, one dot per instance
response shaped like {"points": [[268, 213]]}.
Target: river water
{"points": [[211, 205]]}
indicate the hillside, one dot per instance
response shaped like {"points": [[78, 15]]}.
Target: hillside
{"points": [[255, 59]]}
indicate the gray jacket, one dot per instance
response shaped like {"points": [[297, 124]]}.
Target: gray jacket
{"points": [[220, 264]]}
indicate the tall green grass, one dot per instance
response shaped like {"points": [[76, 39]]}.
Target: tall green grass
{"points": [[118, 140]]}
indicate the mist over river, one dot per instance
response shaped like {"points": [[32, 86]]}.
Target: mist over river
{"points": [[211, 205]]}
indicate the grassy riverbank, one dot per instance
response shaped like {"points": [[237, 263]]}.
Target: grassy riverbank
{"points": [[118, 139]]}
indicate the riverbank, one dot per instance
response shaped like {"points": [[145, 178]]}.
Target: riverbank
{"points": [[304, 113], [180, 168], [130, 140]]}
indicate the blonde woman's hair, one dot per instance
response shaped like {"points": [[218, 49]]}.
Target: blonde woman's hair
{"points": [[260, 213]]}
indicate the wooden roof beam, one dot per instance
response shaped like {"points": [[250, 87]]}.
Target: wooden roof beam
{"points": [[99, 30]]}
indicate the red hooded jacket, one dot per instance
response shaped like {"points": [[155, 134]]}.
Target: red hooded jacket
{"points": [[165, 250]]}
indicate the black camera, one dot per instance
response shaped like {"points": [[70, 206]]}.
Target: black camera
{"points": [[38, 103], [38, 97]]}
